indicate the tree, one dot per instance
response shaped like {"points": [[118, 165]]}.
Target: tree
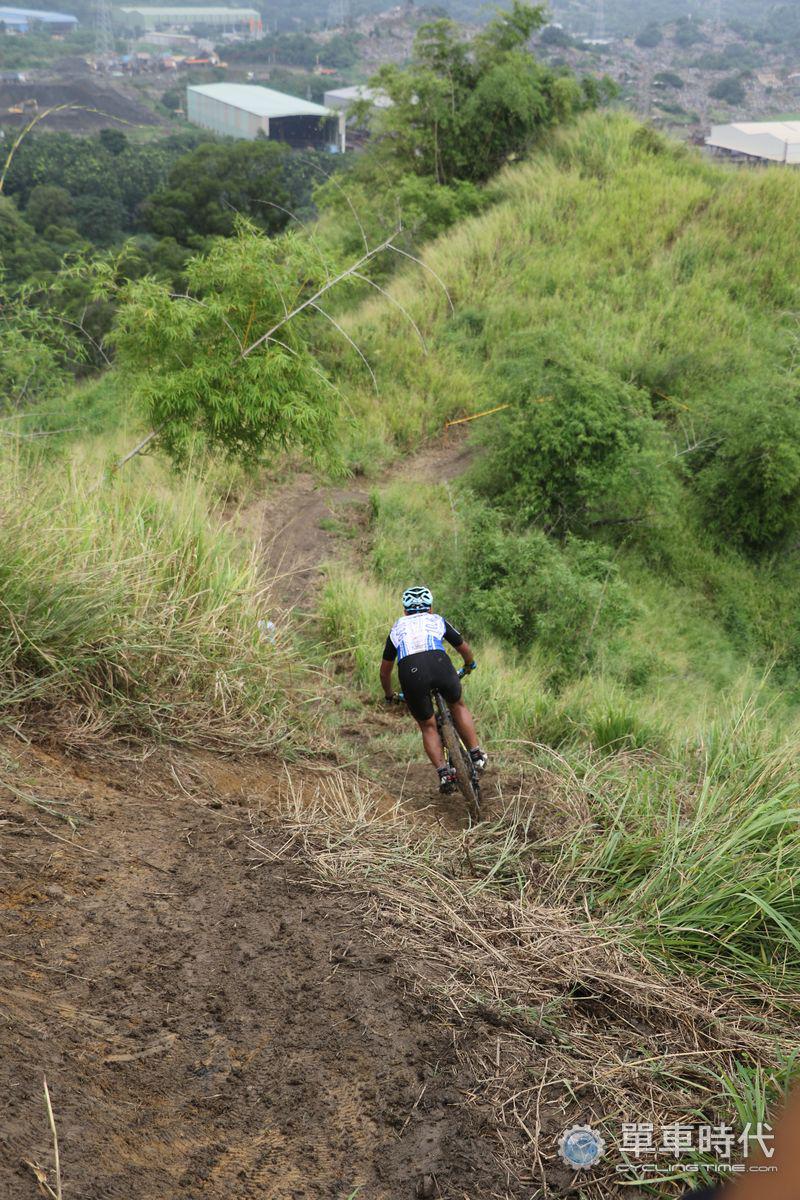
{"points": [[650, 37], [668, 79], [205, 365], [38, 349], [100, 218], [462, 109], [48, 205], [555, 36], [731, 90], [208, 188], [688, 32], [113, 140], [23, 253]]}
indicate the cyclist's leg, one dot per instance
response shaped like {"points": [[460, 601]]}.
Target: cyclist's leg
{"points": [[431, 741], [464, 723]]}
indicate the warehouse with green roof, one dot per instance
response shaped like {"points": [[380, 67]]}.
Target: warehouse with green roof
{"points": [[145, 18]]}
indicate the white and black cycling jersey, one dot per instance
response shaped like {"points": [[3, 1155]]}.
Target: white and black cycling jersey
{"points": [[417, 632]]}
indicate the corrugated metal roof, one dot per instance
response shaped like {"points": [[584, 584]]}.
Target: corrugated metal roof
{"points": [[34, 14], [359, 92], [206, 10], [786, 131], [261, 101]]}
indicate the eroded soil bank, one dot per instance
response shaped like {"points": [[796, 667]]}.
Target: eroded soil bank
{"points": [[211, 1023]]}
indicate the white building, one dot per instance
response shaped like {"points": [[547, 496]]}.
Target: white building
{"points": [[762, 141], [244, 110], [343, 98]]}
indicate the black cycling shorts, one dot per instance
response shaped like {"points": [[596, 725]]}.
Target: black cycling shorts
{"points": [[419, 674]]}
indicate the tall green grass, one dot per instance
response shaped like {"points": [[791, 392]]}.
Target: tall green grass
{"points": [[684, 832], [671, 272], [125, 605]]}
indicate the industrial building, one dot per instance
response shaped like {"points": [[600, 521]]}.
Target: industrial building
{"points": [[244, 110], [343, 98], [143, 19], [20, 20], [757, 141]]}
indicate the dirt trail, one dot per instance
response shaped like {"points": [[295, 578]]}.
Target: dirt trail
{"points": [[300, 528], [214, 1024], [297, 526], [211, 1024]]}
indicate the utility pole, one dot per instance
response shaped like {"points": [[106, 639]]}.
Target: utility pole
{"points": [[103, 32], [600, 19]]}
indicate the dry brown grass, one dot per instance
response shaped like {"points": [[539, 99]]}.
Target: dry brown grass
{"points": [[556, 1021]]}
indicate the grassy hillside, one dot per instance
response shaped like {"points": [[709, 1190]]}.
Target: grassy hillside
{"points": [[619, 270], [622, 552], [622, 549]]}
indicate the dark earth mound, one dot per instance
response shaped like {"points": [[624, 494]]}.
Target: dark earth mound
{"points": [[93, 105], [211, 1023]]}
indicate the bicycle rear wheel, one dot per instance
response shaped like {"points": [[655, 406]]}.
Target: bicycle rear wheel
{"points": [[466, 775]]}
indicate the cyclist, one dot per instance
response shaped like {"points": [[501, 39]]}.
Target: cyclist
{"points": [[417, 641]]}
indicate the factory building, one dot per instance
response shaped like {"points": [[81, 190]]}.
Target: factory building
{"points": [[245, 110], [20, 20], [343, 98], [143, 19], [757, 141]]}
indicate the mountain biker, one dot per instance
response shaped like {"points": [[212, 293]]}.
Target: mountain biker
{"points": [[416, 641]]}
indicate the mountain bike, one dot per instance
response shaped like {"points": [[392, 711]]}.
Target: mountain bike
{"points": [[456, 753]]}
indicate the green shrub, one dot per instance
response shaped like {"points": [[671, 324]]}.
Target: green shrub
{"points": [[578, 448], [751, 486], [731, 90], [517, 586]]}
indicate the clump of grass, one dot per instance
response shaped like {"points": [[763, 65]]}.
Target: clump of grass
{"points": [[124, 605], [555, 1019], [699, 856]]}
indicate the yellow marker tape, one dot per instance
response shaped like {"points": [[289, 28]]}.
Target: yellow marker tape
{"points": [[474, 417], [488, 412]]}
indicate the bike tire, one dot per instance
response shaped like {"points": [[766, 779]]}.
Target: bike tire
{"points": [[466, 775]]}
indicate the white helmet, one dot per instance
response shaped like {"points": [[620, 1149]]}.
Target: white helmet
{"points": [[417, 599]]}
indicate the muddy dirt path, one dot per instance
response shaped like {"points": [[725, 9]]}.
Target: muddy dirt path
{"points": [[212, 1024], [299, 525], [300, 528]]}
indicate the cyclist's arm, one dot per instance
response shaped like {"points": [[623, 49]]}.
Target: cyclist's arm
{"points": [[387, 665], [458, 642], [465, 650]]}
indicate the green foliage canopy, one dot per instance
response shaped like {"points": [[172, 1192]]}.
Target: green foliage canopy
{"points": [[460, 110], [731, 90], [186, 356], [576, 450]]}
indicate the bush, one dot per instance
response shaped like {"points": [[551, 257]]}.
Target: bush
{"points": [[500, 580], [650, 36], [668, 79], [525, 589], [731, 90], [576, 450], [751, 486]]}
